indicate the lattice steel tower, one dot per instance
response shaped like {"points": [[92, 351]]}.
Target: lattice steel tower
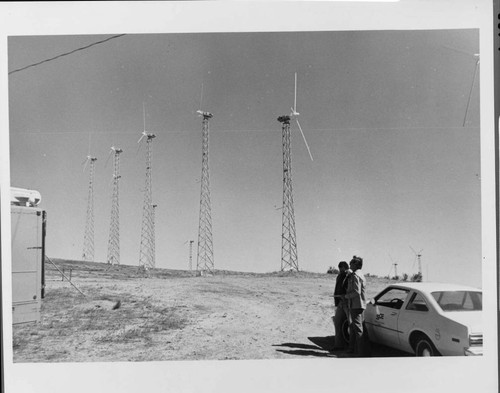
{"points": [[147, 249], [114, 228], [88, 237], [153, 236], [289, 260], [205, 258]]}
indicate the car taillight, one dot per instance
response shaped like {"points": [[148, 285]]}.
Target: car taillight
{"points": [[475, 339]]}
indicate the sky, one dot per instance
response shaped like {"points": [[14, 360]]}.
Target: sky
{"points": [[395, 168]]}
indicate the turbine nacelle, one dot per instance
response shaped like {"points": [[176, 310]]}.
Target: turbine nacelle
{"points": [[147, 135], [205, 115], [116, 150], [89, 158]]}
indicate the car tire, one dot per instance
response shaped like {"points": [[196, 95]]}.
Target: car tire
{"points": [[424, 347]]}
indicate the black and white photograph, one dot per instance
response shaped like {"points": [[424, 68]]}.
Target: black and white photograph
{"points": [[239, 196]]}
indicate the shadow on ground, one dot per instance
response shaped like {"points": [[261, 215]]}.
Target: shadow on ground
{"points": [[324, 347]]}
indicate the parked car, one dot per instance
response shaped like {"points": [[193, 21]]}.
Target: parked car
{"points": [[427, 319]]}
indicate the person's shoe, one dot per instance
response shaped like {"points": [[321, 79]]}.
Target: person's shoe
{"points": [[345, 354]]}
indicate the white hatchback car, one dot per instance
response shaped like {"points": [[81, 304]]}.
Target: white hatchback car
{"points": [[428, 319]]}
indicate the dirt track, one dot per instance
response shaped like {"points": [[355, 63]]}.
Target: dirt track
{"points": [[181, 317]]}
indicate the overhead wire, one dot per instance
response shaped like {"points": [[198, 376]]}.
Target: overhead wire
{"points": [[252, 130], [66, 54]]}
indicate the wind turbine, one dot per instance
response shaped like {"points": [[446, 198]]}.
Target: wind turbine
{"points": [[88, 237], [147, 245], [395, 264], [418, 255], [114, 226], [205, 256], [289, 260]]}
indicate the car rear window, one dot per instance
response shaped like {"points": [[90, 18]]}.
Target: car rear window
{"points": [[459, 300]]}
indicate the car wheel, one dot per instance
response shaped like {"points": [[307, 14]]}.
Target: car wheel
{"points": [[345, 330], [424, 347]]}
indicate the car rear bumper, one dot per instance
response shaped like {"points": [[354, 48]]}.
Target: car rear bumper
{"points": [[473, 351]]}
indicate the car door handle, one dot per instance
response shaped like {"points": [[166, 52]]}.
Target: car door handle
{"points": [[394, 313]]}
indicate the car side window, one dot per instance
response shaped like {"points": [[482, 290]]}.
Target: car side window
{"points": [[392, 298], [417, 303]]}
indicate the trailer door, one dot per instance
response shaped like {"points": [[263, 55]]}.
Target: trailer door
{"points": [[27, 244]]}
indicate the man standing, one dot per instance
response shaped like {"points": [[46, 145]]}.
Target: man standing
{"points": [[341, 309], [356, 298]]}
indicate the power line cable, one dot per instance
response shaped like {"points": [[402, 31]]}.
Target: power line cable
{"points": [[190, 131], [66, 54]]}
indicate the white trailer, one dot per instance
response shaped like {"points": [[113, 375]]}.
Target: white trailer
{"points": [[28, 250]]}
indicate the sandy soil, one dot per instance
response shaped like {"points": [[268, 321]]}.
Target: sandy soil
{"points": [[128, 317]]}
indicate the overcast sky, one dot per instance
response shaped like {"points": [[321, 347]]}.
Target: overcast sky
{"points": [[383, 111]]}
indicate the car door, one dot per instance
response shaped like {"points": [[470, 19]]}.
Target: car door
{"points": [[387, 307], [416, 315]]}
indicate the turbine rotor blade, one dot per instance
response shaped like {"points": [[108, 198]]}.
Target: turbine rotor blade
{"points": [[138, 147], [305, 140], [458, 50], [109, 156], [470, 93], [140, 139], [201, 97], [295, 95]]}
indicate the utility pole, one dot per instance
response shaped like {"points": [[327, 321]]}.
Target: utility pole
{"points": [[191, 254]]}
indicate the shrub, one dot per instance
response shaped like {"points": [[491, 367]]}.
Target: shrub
{"points": [[332, 270], [417, 277]]}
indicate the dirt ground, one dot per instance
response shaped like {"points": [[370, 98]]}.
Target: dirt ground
{"points": [[168, 315]]}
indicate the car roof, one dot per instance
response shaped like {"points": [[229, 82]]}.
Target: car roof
{"points": [[435, 286]]}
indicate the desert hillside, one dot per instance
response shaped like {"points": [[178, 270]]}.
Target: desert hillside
{"points": [[124, 314]]}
